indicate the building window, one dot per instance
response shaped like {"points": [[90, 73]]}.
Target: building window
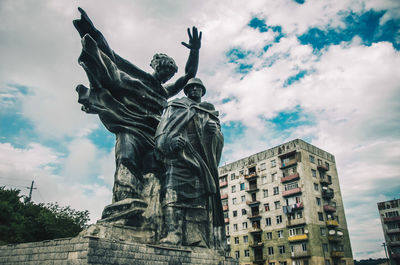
{"points": [[278, 219], [277, 205], [265, 193], [319, 162], [235, 227], [304, 246], [325, 247], [241, 186], [262, 166], [246, 253], [236, 240], [279, 233], [244, 225], [234, 201], [270, 250], [313, 173], [312, 159], [327, 262], [233, 188], [264, 179], [305, 262], [282, 262], [266, 206], [237, 254], [243, 198], [299, 214], [233, 176], [228, 240], [244, 211], [276, 190], [327, 165], [322, 231], [318, 201], [292, 186], [234, 213], [273, 163], [268, 221], [281, 250], [316, 186], [241, 172], [320, 216], [296, 231], [269, 235], [271, 263], [245, 239]]}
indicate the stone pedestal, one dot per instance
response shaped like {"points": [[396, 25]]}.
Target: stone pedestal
{"points": [[93, 250]]}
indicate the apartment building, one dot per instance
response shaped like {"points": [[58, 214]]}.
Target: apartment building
{"points": [[283, 206], [390, 219]]}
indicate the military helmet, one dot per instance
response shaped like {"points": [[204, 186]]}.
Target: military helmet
{"points": [[194, 81]]}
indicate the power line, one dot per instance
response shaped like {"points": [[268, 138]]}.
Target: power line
{"points": [[30, 191]]}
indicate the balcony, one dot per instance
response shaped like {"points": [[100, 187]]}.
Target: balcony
{"points": [[327, 194], [300, 254], [252, 188], [394, 243], [223, 184], [325, 181], [291, 192], [258, 260], [251, 176], [225, 208], [337, 254], [255, 230], [393, 230], [256, 244], [252, 203], [226, 220], [291, 162], [298, 238], [332, 223], [322, 168], [224, 196], [290, 178], [335, 238], [391, 219], [254, 217], [395, 255], [329, 208], [295, 222], [292, 208]]}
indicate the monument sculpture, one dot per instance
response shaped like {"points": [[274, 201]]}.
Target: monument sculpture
{"points": [[190, 141], [166, 179]]}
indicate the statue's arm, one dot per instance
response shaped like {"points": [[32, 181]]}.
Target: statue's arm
{"points": [[85, 26], [191, 64]]}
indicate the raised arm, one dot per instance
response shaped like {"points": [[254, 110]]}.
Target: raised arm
{"points": [[191, 64]]}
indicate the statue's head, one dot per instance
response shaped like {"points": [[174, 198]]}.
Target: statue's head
{"points": [[194, 83], [164, 67]]}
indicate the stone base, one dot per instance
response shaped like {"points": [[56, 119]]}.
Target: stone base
{"points": [[99, 251]]}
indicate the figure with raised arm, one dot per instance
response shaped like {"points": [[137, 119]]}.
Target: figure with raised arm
{"points": [[129, 101]]}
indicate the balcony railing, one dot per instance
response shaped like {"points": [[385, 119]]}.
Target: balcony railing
{"points": [[295, 222], [322, 167], [335, 238], [337, 254], [298, 238], [258, 259], [332, 223], [291, 192], [225, 208], [223, 184], [251, 176], [252, 188], [290, 177], [300, 254], [394, 243], [256, 244], [224, 196], [329, 208], [325, 181], [327, 194], [253, 216], [391, 219], [393, 230], [289, 163], [255, 230], [288, 209], [252, 203], [226, 220]]}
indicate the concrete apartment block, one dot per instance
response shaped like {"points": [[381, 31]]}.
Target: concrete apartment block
{"points": [[283, 206], [390, 219]]}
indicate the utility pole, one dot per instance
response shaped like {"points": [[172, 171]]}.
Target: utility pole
{"points": [[384, 246], [30, 192]]}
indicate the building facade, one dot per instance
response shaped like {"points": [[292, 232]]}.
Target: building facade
{"points": [[283, 206], [390, 219]]}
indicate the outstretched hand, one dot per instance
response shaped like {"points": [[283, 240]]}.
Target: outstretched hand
{"points": [[194, 40]]}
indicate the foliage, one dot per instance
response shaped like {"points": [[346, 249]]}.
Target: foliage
{"points": [[28, 222]]}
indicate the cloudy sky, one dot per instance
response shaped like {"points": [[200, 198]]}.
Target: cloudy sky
{"points": [[323, 71]]}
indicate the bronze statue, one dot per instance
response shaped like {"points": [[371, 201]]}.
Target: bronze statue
{"points": [[129, 101], [190, 141]]}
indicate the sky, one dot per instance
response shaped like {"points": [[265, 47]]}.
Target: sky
{"points": [[326, 72]]}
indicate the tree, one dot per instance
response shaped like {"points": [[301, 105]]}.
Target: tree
{"points": [[28, 222]]}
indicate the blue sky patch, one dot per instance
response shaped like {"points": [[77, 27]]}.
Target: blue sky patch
{"points": [[261, 25], [366, 26], [295, 78], [287, 120], [232, 130], [238, 57], [102, 138], [300, 1]]}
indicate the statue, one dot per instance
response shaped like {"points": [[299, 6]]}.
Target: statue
{"points": [[129, 102], [189, 141]]}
